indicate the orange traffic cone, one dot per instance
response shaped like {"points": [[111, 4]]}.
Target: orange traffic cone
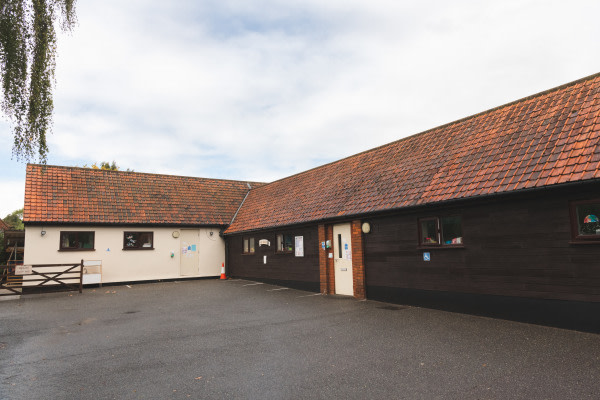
{"points": [[223, 271]]}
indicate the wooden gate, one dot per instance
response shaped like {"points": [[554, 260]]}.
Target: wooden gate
{"points": [[27, 279]]}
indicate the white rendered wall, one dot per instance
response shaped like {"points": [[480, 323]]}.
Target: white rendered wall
{"points": [[120, 265]]}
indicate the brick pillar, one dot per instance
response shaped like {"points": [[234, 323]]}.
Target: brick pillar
{"points": [[322, 261], [326, 265], [358, 260]]}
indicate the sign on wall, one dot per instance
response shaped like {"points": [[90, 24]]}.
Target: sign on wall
{"points": [[22, 269], [299, 246]]}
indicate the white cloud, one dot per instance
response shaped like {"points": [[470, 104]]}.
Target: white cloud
{"points": [[13, 195], [263, 89]]}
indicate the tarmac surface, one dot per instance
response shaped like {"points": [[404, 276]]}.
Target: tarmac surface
{"points": [[237, 339]]}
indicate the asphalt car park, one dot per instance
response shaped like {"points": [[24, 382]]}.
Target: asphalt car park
{"points": [[239, 339]]}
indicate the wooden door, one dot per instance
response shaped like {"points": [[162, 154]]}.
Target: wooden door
{"points": [[189, 247], [342, 249]]}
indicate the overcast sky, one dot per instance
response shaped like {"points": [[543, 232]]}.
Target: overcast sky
{"points": [[262, 89]]}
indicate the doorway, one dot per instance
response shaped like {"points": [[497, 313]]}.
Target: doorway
{"points": [[342, 258], [189, 246]]}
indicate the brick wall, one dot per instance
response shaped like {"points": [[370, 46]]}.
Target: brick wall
{"points": [[326, 265], [323, 272], [358, 260]]}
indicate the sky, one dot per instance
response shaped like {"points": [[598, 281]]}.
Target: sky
{"points": [[263, 89]]}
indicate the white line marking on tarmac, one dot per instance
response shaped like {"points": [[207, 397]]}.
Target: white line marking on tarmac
{"points": [[272, 290], [310, 295], [253, 284]]}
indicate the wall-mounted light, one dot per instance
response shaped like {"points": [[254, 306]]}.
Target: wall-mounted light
{"points": [[366, 227], [43, 232], [211, 233]]}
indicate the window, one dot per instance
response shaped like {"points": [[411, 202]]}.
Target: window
{"points": [[249, 245], [429, 231], [585, 220], [138, 241], [285, 243], [76, 241], [443, 231]]}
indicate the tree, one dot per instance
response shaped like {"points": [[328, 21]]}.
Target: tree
{"points": [[15, 220], [106, 166], [27, 63]]}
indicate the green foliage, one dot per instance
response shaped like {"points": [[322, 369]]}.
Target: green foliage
{"points": [[106, 166], [15, 220], [27, 64]]}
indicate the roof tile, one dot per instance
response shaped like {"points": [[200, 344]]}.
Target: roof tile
{"points": [[56, 194], [546, 139]]}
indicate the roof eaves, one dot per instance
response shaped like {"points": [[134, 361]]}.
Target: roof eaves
{"points": [[452, 201]]}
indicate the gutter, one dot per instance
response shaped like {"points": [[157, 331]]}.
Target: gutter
{"points": [[242, 203]]}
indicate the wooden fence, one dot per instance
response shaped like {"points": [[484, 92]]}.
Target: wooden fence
{"points": [[27, 279]]}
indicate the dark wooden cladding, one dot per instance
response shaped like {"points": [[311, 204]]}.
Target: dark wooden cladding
{"points": [[514, 245], [283, 268]]}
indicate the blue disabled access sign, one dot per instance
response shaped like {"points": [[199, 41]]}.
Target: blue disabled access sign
{"points": [[426, 256]]}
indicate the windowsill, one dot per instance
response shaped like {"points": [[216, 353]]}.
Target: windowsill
{"points": [[138, 248], [440, 247], [248, 254], [284, 252], [578, 242], [67, 250]]}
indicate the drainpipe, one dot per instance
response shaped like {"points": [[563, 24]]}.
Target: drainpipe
{"points": [[226, 257]]}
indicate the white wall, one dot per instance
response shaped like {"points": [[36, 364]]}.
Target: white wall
{"points": [[120, 265]]}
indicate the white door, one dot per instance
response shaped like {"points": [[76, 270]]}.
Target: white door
{"points": [[189, 241], [342, 256]]}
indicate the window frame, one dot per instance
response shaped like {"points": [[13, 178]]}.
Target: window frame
{"points": [[249, 249], [282, 242], [60, 243], [576, 237], [125, 247], [439, 232]]}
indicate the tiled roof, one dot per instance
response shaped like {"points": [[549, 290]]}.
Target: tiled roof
{"points": [[547, 139], [81, 195]]}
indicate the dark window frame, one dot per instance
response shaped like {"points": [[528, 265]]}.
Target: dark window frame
{"points": [[137, 247], [284, 249], [576, 236], [251, 248], [62, 233], [439, 232]]}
